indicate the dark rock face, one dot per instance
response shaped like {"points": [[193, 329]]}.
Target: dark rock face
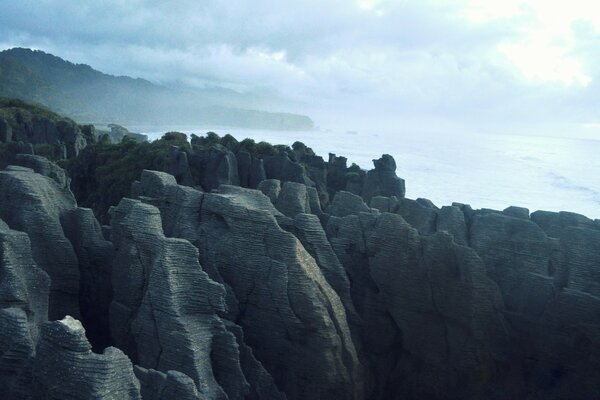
{"points": [[418, 296], [43, 130], [218, 165], [23, 309], [64, 356], [345, 203], [293, 199], [164, 307], [95, 256], [156, 385], [176, 164], [281, 167], [555, 223], [261, 294], [382, 181], [251, 169], [42, 166], [33, 203], [283, 299]]}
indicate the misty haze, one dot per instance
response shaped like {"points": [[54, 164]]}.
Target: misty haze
{"points": [[341, 199]]}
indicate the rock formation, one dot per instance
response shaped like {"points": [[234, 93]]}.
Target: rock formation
{"points": [[66, 368], [326, 282]]}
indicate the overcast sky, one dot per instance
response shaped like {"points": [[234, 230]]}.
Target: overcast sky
{"points": [[489, 65]]}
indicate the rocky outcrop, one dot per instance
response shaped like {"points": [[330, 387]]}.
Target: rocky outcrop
{"points": [[43, 166], [164, 309], [66, 368], [276, 291], [283, 298], [293, 199], [418, 296], [251, 169], [33, 203], [555, 223], [156, 385], [217, 165], [345, 203], [176, 164], [382, 181], [23, 309], [95, 255]]}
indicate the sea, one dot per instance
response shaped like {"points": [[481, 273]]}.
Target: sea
{"points": [[484, 170]]}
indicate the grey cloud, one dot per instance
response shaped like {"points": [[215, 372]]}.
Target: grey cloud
{"points": [[419, 58]]}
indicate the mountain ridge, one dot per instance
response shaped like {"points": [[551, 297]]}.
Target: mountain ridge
{"points": [[91, 96]]}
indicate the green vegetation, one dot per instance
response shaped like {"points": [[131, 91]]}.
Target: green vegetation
{"points": [[103, 173], [87, 95]]}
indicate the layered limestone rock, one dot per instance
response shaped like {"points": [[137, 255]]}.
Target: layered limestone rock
{"points": [[42, 166], [94, 255], [218, 165], [551, 292], [33, 203], [163, 312], [433, 316], [345, 203], [382, 181], [66, 368], [23, 309], [291, 317], [156, 385]]}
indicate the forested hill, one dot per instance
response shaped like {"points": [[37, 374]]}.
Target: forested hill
{"points": [[88, 95]]}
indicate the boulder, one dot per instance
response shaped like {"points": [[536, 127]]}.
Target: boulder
{"points": [[345, 203], [66, 368], [293, 199]]}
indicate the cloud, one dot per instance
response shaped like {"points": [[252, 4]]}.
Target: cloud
{"points": [[474, 62]]}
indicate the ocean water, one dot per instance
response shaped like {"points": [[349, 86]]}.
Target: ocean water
{"points": [[483, 170]]}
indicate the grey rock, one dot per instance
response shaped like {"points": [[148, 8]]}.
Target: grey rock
{"points": [[251, 169], [94, 255], [176, 164], [291, 317], [271, 188], [281, 167], [66, 368], [517, 254], [382, 181], [345, 203], [217, 166], [555, 223], [24, 289], [517, 212], [293, 199], [384, 204], [17, 351], [451, 220], [43, 166], [421, 214], [420, 297], [33, 203], [164, 310], [261, 382], [156, 385]]}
